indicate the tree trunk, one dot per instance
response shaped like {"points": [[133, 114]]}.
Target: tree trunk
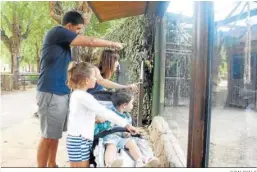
{"points": [[15, 68], [15, 49], [38, 56], [29, 67], [33, 68]]}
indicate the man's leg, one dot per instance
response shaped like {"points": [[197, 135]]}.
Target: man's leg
{"points": [[43, 152], [44, 99], [59, 111], [52, 153], [46, 153], [53, 113]]}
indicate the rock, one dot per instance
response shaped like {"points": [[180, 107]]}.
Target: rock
{"points": [[165, 144]]}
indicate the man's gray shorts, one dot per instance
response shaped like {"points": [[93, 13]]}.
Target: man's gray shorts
{"points": [[53, 112]]}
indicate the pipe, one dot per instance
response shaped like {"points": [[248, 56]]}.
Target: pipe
{"points": [[141, 96]]}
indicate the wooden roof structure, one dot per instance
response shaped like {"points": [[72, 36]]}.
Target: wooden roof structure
{"points": [[110, 10]]}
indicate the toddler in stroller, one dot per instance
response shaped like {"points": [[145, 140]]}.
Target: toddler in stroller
{"points": [[114, 146]]}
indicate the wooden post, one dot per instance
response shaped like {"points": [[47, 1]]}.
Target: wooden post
{"points": [[200, 101], [156, 77], [162, 64]]}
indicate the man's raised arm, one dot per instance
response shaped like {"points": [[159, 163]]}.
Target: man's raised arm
{"points": [[88, 41]]}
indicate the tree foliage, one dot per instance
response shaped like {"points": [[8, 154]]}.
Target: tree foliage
{"points": [[34, 20], [30, 48], [17, 19]]}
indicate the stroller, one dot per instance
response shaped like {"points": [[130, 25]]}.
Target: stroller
{"points": [[98, 148]]}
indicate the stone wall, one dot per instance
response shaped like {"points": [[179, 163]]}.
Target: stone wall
{"points": [[165, 145]]}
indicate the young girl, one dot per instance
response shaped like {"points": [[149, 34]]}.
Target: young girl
{"points": [[83, 110]]}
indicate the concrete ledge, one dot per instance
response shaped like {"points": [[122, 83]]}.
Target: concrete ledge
{"points": [[165, 144]]}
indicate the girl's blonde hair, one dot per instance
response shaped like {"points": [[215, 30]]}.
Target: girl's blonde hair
{"points": [[78, 73]]}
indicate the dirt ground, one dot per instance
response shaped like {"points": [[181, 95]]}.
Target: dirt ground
{"points": [[233, 138]]}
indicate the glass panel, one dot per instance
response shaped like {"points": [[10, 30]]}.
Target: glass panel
{"points": [[233, 141], [179, 28]]}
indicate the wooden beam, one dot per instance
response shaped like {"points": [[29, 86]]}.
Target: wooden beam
{"points": [[112, 10], [236, 17], [94, 11], [200, 99], [106, 11]]}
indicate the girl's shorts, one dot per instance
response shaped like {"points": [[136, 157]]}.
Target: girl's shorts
{"points": [[78, 148]]}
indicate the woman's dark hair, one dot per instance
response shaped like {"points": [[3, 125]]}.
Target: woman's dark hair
{"points": [[107, 63], [72, 17], [121, 96]]}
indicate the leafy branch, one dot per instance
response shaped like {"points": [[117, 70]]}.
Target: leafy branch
{"points": [[28, 28], [7, 21], [6, 40]]}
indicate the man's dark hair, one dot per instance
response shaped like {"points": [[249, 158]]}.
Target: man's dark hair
{"points": [[72, 17], [120, 97]]}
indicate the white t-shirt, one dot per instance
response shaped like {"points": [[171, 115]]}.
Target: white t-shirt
{"points": [[83, 110]]}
